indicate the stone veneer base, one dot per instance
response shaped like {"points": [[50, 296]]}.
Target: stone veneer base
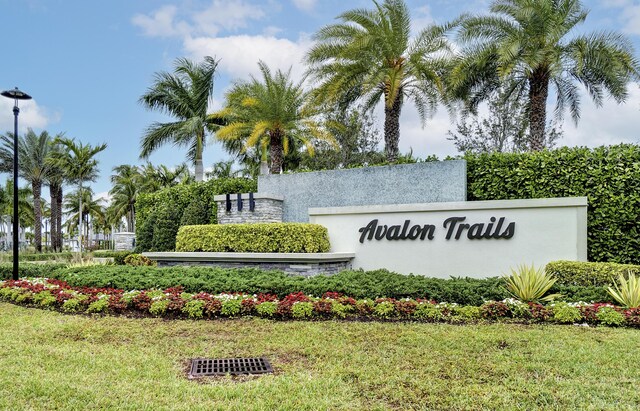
{"points": [[304, 264]]}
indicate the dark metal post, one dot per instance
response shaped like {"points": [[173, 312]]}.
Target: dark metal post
{"points": [[239, 202], [16, 222], [252, 203], [16, 95]]}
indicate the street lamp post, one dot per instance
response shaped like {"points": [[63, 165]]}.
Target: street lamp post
{"points": [[16, 95]]}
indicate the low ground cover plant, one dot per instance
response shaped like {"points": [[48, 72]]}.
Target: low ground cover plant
{"points": [[176, 302]]}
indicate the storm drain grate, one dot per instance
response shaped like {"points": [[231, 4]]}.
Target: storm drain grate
{"points": [[202, 367]]}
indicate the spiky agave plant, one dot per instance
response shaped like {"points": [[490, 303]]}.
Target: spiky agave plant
{"points": [[628, 292], [528, 284]]}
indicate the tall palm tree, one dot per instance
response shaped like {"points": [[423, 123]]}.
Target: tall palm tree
{"points": [[170, 177], [55, 181], [185, 95], [156, 178], [222, 169], [33, 151], [91, 208], [26, 216], [126, 182], [529, 40], [371, 56], [270, 113], [46, 217], [77, 162]]}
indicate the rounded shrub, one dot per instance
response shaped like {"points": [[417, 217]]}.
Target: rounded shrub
{"points": [[137, 260]]}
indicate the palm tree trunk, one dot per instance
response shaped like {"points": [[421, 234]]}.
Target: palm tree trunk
{"points": [[538, 92], [54, 217], [59, 217], [198, 161], [275, 151], [131, 222], [80, 228], [36, 186], [199, 169], [89, 232], [392, 128]]}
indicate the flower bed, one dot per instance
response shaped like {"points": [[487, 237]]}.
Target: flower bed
{"points": [[174, 302]]}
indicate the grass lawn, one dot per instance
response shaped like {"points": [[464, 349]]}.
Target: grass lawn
{"points": [[50, 361]]}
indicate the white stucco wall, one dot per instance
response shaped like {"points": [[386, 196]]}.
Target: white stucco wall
{"points": [[545, 230]]}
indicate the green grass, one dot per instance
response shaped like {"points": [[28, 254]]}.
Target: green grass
{"points": [[50, 360]]}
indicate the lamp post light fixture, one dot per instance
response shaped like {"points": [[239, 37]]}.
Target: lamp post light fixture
{"points": [[16, 95]]}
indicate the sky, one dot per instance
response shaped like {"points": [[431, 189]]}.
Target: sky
{"points": [[87, 62]]}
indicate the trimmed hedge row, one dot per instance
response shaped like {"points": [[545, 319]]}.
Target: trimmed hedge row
{"points": [[358, 283], [254, 238], [45, 256], [31, 270], [160, 214], [609, 176], [589, 274]]}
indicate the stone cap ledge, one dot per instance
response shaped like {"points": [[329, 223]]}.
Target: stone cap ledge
{"points": [[250, 257], [245, 196], [452, 206]]}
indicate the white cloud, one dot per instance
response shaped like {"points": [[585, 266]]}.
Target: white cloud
{"points": [[629, 16], [239, 55], [305, 5], [226, 15], [423, 141], [161, 23], [220, 15], [31, 116], [610, 124], [421, 18], [271, 31], [632, 19]]}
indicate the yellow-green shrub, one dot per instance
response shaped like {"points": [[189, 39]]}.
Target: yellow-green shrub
{"points": [[589, 274], [254, 238]]}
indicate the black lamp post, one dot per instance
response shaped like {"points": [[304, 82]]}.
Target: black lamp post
{"points": [[16, 95]]}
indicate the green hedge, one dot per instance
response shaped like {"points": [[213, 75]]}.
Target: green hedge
{"points": [[358, 283], [254, 238], [31, 270], [166, 210], [608, 176], [38, 256], [583, 273]]}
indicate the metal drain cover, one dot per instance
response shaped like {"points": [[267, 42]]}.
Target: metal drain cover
{"points": [[202, 367]]}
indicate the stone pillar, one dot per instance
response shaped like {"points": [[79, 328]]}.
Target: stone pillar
{"points": [[124, 241], [267, 209]]}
